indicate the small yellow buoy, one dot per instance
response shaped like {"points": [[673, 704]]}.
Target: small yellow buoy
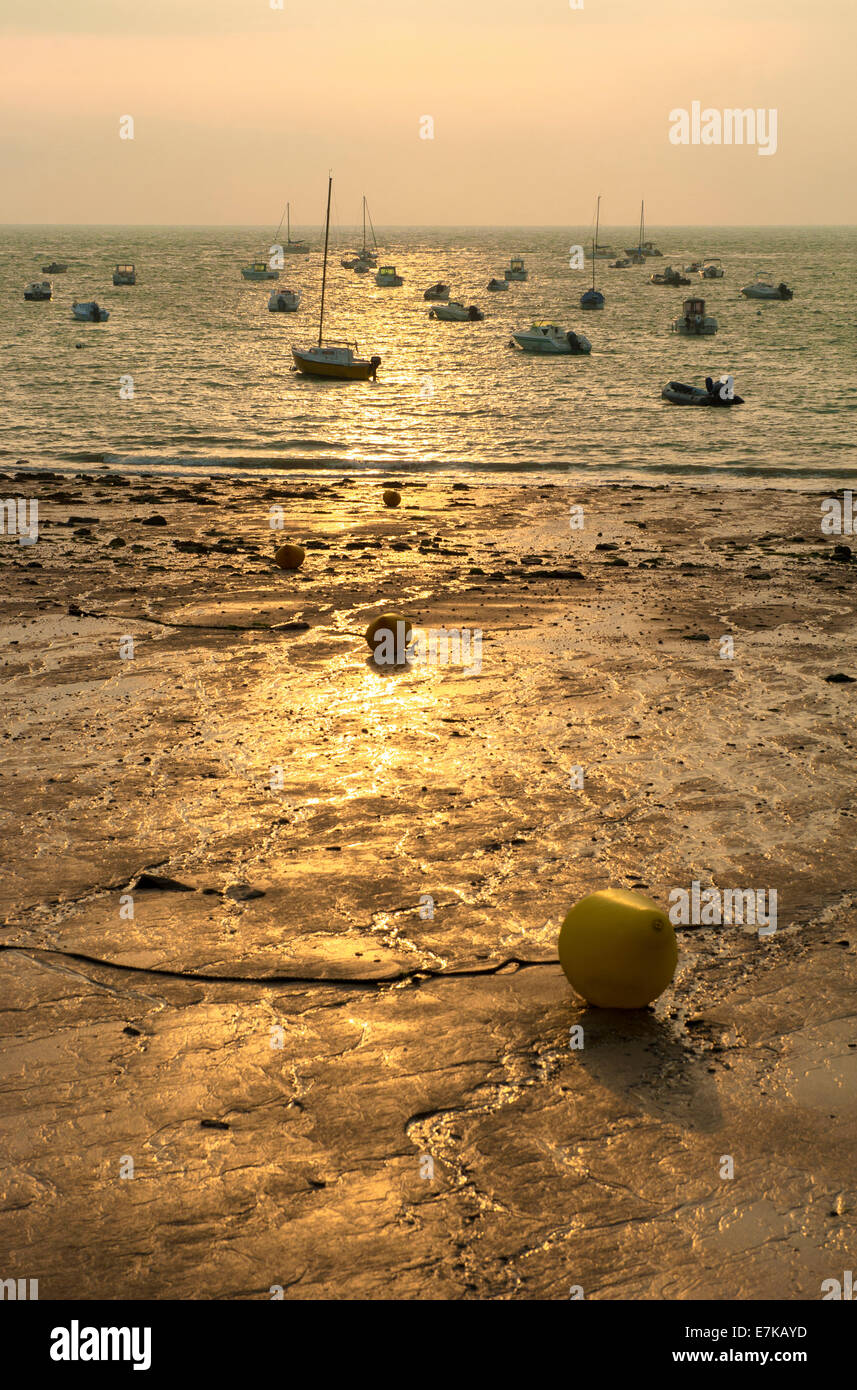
{"points": [[618, 949], [388, 636], [391, 497], [290, 557]]}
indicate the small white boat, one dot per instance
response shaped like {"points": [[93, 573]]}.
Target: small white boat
{"points": [[549, 339], [761, 290], [438, 291], [516, 270], [55, 268], [284, 301], [260, 270], [693, 321], [90, 311], [456, 312], [387, 278], [498, 284], [39, 291], [711, 270], [124, 275]]}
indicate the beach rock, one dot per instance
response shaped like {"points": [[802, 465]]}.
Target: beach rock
{"points": [[607, 545], [842, 553], [695, 637], [75, 611], [154, 520], [116, 544], [242, 892], [840, 678], [160, 883]]}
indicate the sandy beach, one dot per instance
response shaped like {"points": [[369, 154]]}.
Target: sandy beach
{"points": [[281, 1004]]}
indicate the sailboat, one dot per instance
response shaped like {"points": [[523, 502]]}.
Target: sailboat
{"points": [[594, 299], [645, 248], [334, 358], [295, 248], [363, 260]]}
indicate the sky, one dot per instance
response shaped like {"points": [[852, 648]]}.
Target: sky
{"points": [[536, 107]]}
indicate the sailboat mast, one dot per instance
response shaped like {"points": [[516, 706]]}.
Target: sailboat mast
{"points": [[642, 224], [324, 268], [595, 242], [364, 223], [288, 226]]}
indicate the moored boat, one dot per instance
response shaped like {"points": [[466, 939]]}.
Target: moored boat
{"points": [[55, 268], [516, 270], [498, 284], [124, 275], [89, 311], [622, 263], [593, 298], [693, 322], [260, 270], [335, 359], [711, 269], [284, 301], [39, 291], [387, 277], [762, 290], [668, 277], [548, 339], [456, 312], [679, 393], [438, 291]]}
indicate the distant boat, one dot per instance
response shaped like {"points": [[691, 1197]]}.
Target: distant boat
{"points": [[291, 248], [761, 290], [594, 299], [363, 260], [39, 291], [679, 393], [284, 301], [124, 275], [333, 359], [622, 263], [498, 284], [693, 321], [90, 311], [387, 277], [260, 270], [55, 268], [516, 270], [711, 270], [548, 339], [669, 276], [456, 312], [643, 249], [603, 253]]}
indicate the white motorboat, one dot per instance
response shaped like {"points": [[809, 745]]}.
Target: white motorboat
{"points": [[516, 270], [387, 277], [124, 275], [284, 301], [549, 339], [90, 311], [456, 312], [260, 270], [762, 290], [693, 321], [39, 291], [711, 270], [334, 359], [438, 291], [498, 284]]}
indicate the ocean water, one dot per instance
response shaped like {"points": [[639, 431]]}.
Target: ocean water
{"points": [[213, 386]]}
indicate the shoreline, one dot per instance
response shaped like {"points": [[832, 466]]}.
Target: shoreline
{"points": [[316, 1035]]}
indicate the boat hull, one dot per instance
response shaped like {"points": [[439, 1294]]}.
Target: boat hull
{"points": [[308, 365]]}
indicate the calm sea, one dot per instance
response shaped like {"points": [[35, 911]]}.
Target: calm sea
{"points": [[213, 389]]}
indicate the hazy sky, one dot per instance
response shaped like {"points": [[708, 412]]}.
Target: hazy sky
{"points": [[536, 108]]}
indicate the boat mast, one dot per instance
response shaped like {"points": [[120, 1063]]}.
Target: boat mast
{"points": [[324, 268], [595, 242], [642, 226], [364, 224], [288, 226]]}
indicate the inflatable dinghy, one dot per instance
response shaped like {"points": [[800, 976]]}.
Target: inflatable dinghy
{"points": [[680, 394]]}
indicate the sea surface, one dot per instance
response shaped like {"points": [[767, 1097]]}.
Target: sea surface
{"points": [[213, 388]]}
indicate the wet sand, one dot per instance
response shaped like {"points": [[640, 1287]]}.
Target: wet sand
{"points": [[325, 1082]]}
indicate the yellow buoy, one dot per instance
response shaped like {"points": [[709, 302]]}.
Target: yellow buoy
{"points": [[618, 949], [388, 636], [391, 497], [290, 557]]}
